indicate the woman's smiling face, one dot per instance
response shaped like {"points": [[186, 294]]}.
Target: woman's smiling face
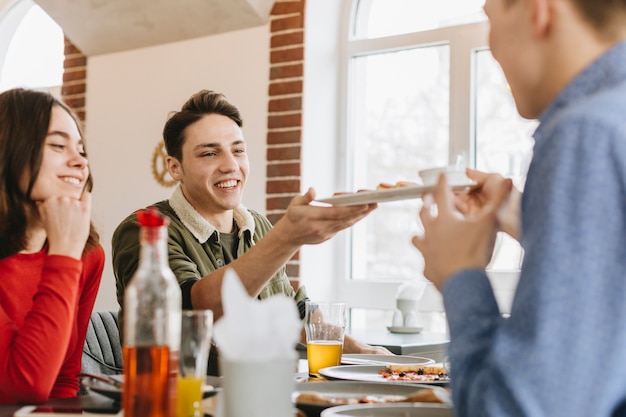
{"points": [[64, 168]]}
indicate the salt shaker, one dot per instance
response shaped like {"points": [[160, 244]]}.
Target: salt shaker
{"points": [[398, 320], [411, 319]]}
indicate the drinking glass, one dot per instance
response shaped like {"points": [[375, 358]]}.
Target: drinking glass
{"points": [[324, 324], [195, 345]]}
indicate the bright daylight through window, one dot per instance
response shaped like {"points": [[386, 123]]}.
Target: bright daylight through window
{"points": [[423, 91], [32, 52]]}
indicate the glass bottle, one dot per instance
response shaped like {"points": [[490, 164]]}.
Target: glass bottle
{"points": [[152, 317]]}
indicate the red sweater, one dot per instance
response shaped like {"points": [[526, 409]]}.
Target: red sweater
{"points": [[45, 305]]}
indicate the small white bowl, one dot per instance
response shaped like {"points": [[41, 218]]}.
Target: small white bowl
{"points": [[455, 175]]}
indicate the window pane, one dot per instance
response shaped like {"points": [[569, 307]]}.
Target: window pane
{"points": [[503, 142], [401, 125], [35, 56], [378, 18]]}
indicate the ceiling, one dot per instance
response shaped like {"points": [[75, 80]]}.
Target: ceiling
{"points": [[105, 26]]}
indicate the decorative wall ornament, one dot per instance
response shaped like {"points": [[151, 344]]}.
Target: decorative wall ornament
{"points": [[159, 166]]}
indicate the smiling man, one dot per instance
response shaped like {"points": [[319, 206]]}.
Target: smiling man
{"points": [[210, 228]]}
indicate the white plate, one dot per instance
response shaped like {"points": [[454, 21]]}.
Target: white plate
{"points": [[389, 410], [367, 373], [346, 390], [388, 194], [405, 329], [367, 359]]}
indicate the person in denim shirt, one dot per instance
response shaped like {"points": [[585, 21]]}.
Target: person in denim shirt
{"points": [[561, 352]]}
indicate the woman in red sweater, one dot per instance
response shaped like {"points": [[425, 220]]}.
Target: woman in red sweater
{"points": [[50, 258]]}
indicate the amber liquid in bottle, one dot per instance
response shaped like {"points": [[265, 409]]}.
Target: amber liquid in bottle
{"points": [[154, 383]]}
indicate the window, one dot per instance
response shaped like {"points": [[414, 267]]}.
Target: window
{"points": [[422, 90], [31, 49]]}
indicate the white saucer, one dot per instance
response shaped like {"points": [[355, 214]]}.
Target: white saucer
{"points": [[405, 329]]}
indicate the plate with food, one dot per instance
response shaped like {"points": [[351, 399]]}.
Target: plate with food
{"points": [[370, 359], [402, 190], [111, 385], [389, 410], [392, 373], [314, 397]]}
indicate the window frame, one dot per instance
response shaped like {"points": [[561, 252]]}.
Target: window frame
{"points": [[463, 41], [10, 19]]}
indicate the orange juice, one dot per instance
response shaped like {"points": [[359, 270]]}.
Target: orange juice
{"points": [[189, 400], [322, 354]]}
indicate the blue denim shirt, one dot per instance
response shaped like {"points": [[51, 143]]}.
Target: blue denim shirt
{"points": [[563, 350]]}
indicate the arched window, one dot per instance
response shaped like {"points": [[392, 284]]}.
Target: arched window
{"points": [[421, 90], [31, 48]]}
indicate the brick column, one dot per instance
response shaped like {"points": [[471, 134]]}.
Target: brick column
{"points": [[74, 86], [284, 136]]}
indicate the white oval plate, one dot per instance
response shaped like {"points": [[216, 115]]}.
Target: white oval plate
{"points": [[344, 390], [389, 410], [389, 194], [367, 359], [212, 387], [368, 373]]}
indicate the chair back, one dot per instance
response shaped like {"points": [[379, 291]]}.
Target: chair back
{"points": [[102, 352]]}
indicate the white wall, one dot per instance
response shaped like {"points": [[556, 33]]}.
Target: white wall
{"points": [[318, 270], [129, 96]]}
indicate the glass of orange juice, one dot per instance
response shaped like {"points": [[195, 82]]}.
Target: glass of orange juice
{"points": [[324, 324], [195, 345]]}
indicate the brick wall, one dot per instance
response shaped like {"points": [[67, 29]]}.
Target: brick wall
{"points": [[284, 123], [74, 79]]}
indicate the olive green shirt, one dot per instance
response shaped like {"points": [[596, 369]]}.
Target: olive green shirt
{"points": [[194, 248]]}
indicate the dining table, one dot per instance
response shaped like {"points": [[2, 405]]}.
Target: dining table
{"points": [[90, 403], [95, 404], [423, 343]]}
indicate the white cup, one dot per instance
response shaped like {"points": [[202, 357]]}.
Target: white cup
{"points": [[454, 174], [257, 389], [409, 309]]}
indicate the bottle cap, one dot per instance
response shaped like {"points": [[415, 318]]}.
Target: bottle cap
{"points": [[151, 217]]}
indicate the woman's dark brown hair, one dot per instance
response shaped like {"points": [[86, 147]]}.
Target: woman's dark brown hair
{"points": [[24, 121]]}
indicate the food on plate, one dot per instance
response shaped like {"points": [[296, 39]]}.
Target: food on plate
{"points": [[422, 395], [414, 373], [399, 184]]}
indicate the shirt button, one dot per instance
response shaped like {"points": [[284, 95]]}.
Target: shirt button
{"points": [[220, 262]]}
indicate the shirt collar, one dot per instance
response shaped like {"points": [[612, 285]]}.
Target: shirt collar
{"points": [[199, 227], [603, 73]]}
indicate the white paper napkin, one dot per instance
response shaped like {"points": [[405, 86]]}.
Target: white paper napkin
{"points": [[252, 329]]}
